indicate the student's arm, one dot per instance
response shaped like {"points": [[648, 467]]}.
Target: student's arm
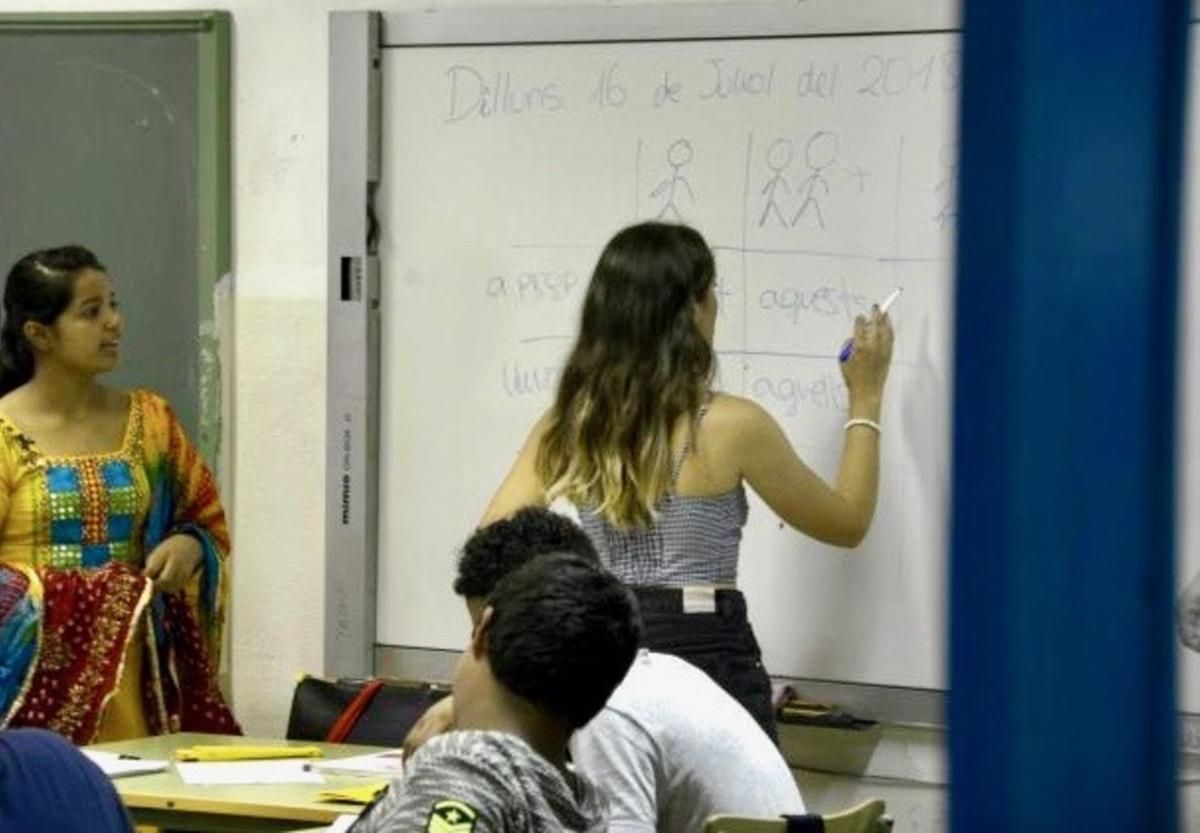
{"points": [[437, 720], [521, 487], [840, 514], [615, 753]]}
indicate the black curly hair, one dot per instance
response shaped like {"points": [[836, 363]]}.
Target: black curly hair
{"points": [[562, 634], [501, 547]]}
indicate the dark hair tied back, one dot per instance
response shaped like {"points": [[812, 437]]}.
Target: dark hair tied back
{"points": [[38, 288]]}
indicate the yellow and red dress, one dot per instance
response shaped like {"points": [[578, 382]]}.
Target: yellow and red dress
{"points": [[87, 648]]}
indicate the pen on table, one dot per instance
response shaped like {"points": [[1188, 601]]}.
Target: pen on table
{"points": [[127, 757], [848, 347]]}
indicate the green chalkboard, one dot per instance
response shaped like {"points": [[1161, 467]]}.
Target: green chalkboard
{"points": [[114, 133]]}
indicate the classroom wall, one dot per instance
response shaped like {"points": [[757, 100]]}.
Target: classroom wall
{"points": [[279, 163], [276, 504]]}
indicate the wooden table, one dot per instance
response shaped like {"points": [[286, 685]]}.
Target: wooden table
{"points": [[163, 800]]}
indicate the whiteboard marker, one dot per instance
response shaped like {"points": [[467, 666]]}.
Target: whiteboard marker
{"points": [[848, 347]]}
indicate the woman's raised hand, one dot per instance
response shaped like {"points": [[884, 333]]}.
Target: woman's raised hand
{"points": [[866, 370]]}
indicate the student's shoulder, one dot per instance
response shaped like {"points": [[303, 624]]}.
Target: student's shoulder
{"points": [[431, 800], [145, 398], [15, 446], [673, 666], [461, 775], [731, 420], [498, 751], [676, 696], [664, 708], [13, 414], [539, 428], [654, 688], [665, 678], [160, 424], [729, 410]]}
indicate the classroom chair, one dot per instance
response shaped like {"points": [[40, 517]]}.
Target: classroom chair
{"points": [[867, 817]]}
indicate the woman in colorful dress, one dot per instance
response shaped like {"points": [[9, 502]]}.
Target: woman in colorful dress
{"points": [[113, 542]]}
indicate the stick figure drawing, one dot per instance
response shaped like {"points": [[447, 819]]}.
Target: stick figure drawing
{"points": [[678, 155], [819, 153], [779, 157]]}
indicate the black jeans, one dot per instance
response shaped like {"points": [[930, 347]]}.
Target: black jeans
{"points": [[721, 644]]}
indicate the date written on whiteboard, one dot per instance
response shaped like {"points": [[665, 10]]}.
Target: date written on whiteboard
{"points": [[884, 76], [474, 93], [479, 93]]}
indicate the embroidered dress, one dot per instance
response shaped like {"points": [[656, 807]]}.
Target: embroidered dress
{"points": [[86, 647]]}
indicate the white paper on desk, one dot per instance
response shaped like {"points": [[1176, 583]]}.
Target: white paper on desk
{"points": [[247, 772], [389, 764], [342, 823], [114, 766]]}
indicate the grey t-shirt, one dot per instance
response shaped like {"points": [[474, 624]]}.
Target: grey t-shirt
{"points": [[671, 748], [485, 782]]}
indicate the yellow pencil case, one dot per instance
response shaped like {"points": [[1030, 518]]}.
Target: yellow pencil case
{"points": [[245, 753]]}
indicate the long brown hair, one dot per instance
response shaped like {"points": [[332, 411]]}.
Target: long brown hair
{"points": [[639, 362]]}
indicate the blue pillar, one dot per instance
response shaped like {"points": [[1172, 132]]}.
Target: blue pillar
{"points": [[1062, 701]]}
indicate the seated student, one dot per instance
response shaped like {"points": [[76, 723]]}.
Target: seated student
{"points": [[549, 644], [48, 784], [671, 747]]}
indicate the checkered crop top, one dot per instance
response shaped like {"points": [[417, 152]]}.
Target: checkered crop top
{"points": [[694, 540]]}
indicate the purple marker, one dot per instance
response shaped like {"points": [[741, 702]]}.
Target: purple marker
{"points": [[848, 347]]}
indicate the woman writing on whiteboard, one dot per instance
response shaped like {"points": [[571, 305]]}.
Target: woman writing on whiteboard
{"points": [[112, 539], [654, 460]]}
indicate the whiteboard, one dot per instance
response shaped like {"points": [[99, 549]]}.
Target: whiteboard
{"points": [[821, 171]]}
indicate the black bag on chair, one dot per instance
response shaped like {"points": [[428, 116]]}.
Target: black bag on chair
{"points": [[375, 712]]}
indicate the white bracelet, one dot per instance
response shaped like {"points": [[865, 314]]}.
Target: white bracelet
{"points": [[869, 423]]}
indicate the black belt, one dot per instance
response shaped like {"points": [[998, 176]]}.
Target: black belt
{"points": [[725, 601]]}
